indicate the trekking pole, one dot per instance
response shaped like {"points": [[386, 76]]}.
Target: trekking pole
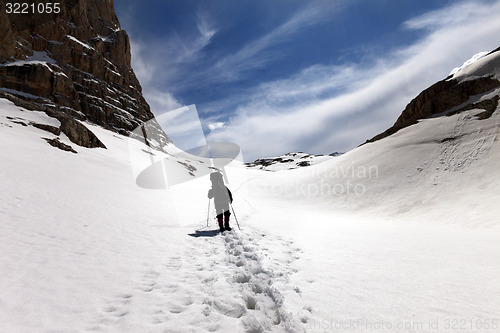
{"points": [[208, 212], [230, 204]]}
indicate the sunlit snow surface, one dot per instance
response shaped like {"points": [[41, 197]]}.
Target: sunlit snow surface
{"points": [[472, 60], [397, 235], [478, 66]]}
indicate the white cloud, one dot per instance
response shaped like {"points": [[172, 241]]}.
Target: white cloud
{"points": [[300, 113], [216, 125]]}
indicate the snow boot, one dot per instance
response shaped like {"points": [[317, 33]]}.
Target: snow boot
{"points": [[226, 223], [221, 226]]}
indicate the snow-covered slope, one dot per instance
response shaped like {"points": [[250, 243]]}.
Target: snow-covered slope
{"points": [[403, 232], [447, 166], [84, 248]]}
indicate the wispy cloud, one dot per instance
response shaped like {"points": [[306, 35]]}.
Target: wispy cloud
{"points": [[173, 56], [206, 29], [260, 52], [166, 62], [456, 14], [329, 108], [146, 70], [160, 62]]}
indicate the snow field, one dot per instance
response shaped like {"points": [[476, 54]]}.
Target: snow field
{"points": [[418, 246], [441, 170], [370, 271], [85, 249], [212, 284]]}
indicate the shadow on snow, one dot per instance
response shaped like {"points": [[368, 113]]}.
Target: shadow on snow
{"points": [[205, 233]]}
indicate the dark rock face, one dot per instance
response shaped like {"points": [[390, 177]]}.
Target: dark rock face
{"points": [[76, 62], [79, 134], [439, 98], [489, 106], [51, 129]]}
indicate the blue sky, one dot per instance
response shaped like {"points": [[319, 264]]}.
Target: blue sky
{"points": [[276, 76]]}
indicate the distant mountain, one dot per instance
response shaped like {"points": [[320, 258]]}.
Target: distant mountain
{"points": [[460, 91], [74, 65], [289, 161]]}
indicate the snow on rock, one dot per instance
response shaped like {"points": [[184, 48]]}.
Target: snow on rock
{"points": [[85, 45], [38, 58], [106, 38], [482, 64], [474, 58]]}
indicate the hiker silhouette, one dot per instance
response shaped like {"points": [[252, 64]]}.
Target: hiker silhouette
{"points": [[222, 199]]}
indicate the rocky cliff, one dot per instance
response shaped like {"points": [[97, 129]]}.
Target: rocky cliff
{"points": [[452, 95], [73, 64]]}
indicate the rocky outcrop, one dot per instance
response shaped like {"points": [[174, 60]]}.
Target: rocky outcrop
{"points": [[79, 134], [489, 106], [75, 62], [58, 144], [44, 127], [440, 98]]}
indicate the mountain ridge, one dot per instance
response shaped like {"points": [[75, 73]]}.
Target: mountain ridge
{"points": [[445, 95]]}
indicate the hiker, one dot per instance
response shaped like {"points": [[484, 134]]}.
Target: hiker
{"points": [[222, 199]]}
